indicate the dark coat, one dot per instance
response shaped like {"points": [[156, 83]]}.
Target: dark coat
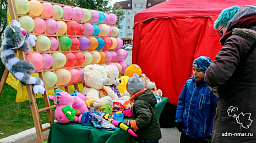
{"points": [[235, 119], [144, 113]]}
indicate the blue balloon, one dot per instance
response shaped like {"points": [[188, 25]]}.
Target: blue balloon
{"points": [[96, 30], [101, 17], [101, 43]]}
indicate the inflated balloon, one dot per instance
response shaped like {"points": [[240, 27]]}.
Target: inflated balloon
{"points": [[106, 18], [112, 19], [121, 54], [96, 57], [50, 79], [115, 31], [119, 43], [108, 43], [104, 30], [63, 76], [101, 43], [65, 43], [36, 59], [71, 59], [109, 56], [40, 25], [96, 30], [68, 12], [47, 10], [75, 75], [59, 60], [78, 14], [104, 65], [58, 12], [114, 55], [54, 44], [87, 15], [47, 61], [27, 23], [80, 58], [119, 67], [84, 43], [73, 27], [110, 31], [62, 28], [124, 66], [94, 43], [101, 17], [36, 8], [22, 6], [51, 26], [81, 30], [88, 58], [94, 16], [88, 29], [114, 43], [75, 43], [43, 43], [81, 72], [103, 57]]}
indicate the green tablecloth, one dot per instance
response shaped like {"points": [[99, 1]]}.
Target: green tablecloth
{"points": [[77, 133]]}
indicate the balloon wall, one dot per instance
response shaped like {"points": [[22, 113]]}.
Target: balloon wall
{"points": [[69, 38]]}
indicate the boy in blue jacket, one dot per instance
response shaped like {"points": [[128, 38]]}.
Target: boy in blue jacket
{"points": [[196, 106]]}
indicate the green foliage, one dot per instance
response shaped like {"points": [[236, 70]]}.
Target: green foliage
{"points": [[100, 5], [3, 19]]}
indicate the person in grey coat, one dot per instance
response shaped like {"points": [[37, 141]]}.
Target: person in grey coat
{"points": [[233, 74]]}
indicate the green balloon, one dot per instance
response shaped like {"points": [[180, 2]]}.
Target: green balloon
{"points": [[50, 79], [88, 58], [43, 43], [22, 6], [65, 43], [27, 23], [59, 60], [58, 12]]}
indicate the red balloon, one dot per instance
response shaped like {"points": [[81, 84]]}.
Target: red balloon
{"points": [[71, 59], [81, 30], [75, 43], [80, 58], [73, 28], [108, 43]]}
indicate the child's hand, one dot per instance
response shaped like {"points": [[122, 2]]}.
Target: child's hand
{"points": [[179, 126]]}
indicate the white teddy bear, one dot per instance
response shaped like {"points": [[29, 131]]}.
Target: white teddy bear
{"points": [[113, 75]]}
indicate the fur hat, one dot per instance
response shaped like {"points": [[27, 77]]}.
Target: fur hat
{"points": [[135, 84], [225, 16], [202, 63]]}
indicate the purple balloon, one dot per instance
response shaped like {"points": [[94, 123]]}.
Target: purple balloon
{"points": [[114, 56], [119, 43], [88, 29], [106, 18], [109, 56], [111, 31], [54, 44], [124, 66], [121, 54], [47, 61], [81, 77], [84, 43], [112, 19], [68, 12], [95, 16]]}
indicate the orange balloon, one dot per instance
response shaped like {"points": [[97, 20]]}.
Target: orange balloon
{"points": [[96, 57], [103, 57], [94, 43], [63, 76]]}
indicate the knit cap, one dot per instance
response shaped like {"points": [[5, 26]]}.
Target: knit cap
{"points": [[135, 84], [202, 63]]}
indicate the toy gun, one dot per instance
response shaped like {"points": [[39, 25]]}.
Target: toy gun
{"points": [[122, 126]]}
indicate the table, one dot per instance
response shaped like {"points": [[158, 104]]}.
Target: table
{"points": [[77, 133]]}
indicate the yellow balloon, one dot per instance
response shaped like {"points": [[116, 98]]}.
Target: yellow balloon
{"points": [[104, 29], [36, 8], [88, 58], [27, 23], [43, 43], [87, 15], [63, 76], [50, 79], [22, 6], [59, 60], [62, 27], [114, 43], [96, 57], [115, 31], [58, 12]]}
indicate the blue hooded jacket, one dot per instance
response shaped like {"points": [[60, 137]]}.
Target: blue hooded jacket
{"points": [[196, 109]]}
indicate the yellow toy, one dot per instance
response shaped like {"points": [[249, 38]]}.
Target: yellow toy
{"points": [[131, 69]]}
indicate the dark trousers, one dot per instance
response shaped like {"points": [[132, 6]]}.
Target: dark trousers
{"points": [[186, 139]]}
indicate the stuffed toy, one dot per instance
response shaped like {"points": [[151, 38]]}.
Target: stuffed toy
{"points": [[131, 69], [113, 75], [14, 38], [122, 86], [79, 103]]}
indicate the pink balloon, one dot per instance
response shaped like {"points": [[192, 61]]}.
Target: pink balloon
{"points": [[48, 10], [78, 14], [40, 25], [111, 31], [88, 29], [36, 59], [121, 54], [68, 12], [114, 55], [51, 26], [75, 75], [124, 66], [119, 43], [112, 19], [109, 56], [54, 44], [95, 16], [81, 72], [106, 18], [47, 61]]}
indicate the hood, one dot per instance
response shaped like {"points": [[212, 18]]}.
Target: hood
{"points": [[246, 33], [147, 96]]}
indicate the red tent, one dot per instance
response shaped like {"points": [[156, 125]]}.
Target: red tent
{"points": [[169, 36]]}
